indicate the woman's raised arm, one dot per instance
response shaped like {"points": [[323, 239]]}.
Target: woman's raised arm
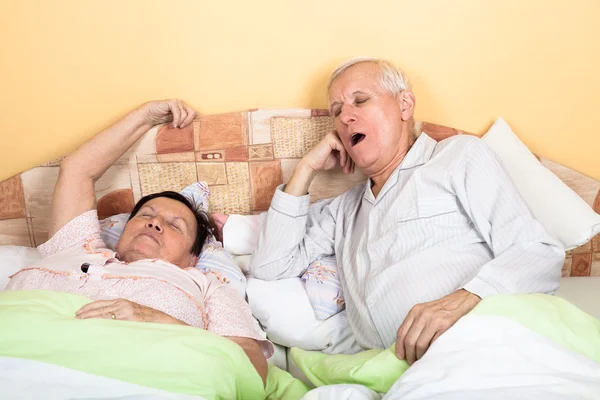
{"points": [[74, 191]]}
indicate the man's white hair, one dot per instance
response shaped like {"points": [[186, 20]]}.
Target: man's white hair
{"points": [[392, 79]]}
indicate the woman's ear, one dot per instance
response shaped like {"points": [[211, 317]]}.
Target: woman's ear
{"points": [[407, 104], [193, 260]]}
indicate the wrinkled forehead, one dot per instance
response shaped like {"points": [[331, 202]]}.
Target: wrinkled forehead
{"points": [[360, 77], [170, 208]]}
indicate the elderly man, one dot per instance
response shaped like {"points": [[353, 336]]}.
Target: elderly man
{"points": [[437, 227]]}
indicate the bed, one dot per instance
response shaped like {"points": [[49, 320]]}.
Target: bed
{"points": [[242, 157]]}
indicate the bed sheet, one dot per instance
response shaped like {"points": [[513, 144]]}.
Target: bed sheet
{"points": [[487, 358]]}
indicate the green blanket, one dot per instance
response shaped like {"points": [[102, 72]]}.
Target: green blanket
{"points": [[548, 316], [41, 325]]}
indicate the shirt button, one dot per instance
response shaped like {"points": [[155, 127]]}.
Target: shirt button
{"points": [[85, 267]]}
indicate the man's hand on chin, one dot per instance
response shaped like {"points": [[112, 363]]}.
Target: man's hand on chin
{"points": [[427, 321]]}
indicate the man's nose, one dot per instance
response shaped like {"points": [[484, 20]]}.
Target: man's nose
{"points": [[347, 115]]}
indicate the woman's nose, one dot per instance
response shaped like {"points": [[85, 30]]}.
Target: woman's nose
{"points": [[154, 225]]}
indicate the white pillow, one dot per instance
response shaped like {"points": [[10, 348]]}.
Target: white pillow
{"points": [[13, 258], [240, 233], [564, 214], [243, 262], [283, 309]]}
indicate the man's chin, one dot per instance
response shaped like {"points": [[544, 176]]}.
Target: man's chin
{"points": [[365, 166]]}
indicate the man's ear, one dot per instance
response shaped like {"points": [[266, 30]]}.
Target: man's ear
{"points": [[407, 104]]}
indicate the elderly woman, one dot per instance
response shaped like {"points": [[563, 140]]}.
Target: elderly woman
{"points": [[437, 227], [151, 277]]}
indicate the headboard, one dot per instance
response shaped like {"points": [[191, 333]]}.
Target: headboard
{"points": [[243, 156]]}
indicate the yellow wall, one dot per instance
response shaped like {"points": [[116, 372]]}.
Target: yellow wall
{"points": [[69, 68]]}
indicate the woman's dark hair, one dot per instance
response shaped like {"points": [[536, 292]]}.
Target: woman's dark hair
{"points": [[203, 228]]}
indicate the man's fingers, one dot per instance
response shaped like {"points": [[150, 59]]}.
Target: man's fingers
{"points": [[400, 337], [442, 326], [399, 349], [434, 330], [410, 342], [424, 341], [351, 168], [350, 164], [338, 156], [344, 158], [426, 322], [336, 148]]}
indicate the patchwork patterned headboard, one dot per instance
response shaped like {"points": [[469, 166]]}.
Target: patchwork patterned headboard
{"points": [[243, 156]]}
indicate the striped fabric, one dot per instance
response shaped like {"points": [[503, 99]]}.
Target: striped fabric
{"points": [[448, 218]]}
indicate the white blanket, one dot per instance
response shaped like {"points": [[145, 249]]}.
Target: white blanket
{"points": [[26, 379], [487, 358]]}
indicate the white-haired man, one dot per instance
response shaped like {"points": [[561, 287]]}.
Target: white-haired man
{"points": [[437, 227]]}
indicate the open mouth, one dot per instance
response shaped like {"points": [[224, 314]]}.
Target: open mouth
{"points": [[356, 138]]}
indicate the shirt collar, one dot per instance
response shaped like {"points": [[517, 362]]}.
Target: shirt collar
{"points": [[420, 152]]}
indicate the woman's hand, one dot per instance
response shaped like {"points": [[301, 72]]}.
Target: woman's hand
{"points": [[125, 310], [174, 111], [74, 191]]}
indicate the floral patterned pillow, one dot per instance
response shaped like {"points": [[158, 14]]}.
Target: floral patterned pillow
{"points": [[214, 261], [324, 288]]}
